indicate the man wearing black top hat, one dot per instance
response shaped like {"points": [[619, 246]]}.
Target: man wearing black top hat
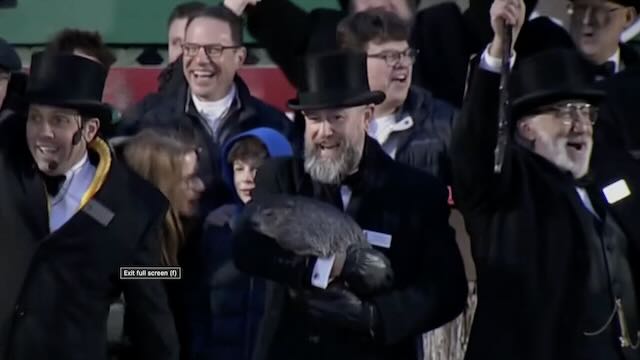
{"points": [[404, 210], [71, 216], [555, 240]]}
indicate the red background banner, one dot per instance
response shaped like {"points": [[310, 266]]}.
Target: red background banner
{"points": [[128, 85]]}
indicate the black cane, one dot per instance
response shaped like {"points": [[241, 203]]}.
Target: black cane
{"points": [[504, 106]]}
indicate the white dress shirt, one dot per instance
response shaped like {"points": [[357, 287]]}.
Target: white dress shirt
{"points": [[67, 201], [494, 64], [322, 269], [213, 111]]}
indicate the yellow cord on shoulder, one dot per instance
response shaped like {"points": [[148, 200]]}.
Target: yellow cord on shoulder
{"points": [[99, 146]]}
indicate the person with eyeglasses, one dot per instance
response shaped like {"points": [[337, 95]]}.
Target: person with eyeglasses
{"points": [[554, 229], [412, 126], [596, 27], [216, 104], [446, 35]]}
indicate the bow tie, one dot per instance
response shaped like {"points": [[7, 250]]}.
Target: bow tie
{"points": [[53, 183], [606, 70], [585, 181], [353, 181]]}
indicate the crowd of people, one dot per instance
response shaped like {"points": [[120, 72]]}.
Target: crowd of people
{"points": [[404, 116]]}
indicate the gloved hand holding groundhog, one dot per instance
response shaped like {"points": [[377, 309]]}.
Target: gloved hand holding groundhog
{"points": [[341, 308], [364, 271], [312, 228]]}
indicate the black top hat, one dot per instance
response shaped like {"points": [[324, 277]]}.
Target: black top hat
{"points": [[551, 76], [71, 81], [335, 80]]}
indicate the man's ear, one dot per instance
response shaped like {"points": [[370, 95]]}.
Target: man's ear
{"points": [[241, 55], [630, 17], [91, 127], [525, 130], [368, 115]]}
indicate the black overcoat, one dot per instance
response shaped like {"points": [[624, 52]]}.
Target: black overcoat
{"points": [[57, 287], [391, 198], [528, 235]]}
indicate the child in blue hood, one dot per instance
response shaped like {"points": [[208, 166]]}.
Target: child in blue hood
{"points": [[227, 305]]}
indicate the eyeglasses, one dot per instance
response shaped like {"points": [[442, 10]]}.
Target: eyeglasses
{"points": [[392, 58], [571, 113], [212, 50], [599, 13]]}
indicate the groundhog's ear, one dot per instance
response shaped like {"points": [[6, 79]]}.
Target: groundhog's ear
{"points": [[266, 211]]}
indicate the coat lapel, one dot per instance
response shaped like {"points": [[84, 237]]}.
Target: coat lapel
{"points": [[32, 201], [101, 197], [372, 175], [629, 57]]}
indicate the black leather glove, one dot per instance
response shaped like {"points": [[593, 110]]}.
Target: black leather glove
{"points": [[341, 308], [366, 271]]}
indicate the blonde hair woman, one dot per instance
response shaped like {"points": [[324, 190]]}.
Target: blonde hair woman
{"points": [[171, 164]]}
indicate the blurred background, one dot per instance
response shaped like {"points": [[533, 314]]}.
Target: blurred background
{"points": [[134, 26], [136, 30]]}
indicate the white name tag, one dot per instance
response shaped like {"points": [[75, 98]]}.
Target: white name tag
{"points": [[378, 239], [616, 191]]}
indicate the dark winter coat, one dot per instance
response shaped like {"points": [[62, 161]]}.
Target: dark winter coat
{"points": [[619, 116], [224, 306], [425, 145], [174, 111], [57, 287], [528, 231], [388, 197]]}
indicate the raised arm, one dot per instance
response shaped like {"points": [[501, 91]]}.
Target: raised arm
{"points": [[475, 135], [282, 28]]}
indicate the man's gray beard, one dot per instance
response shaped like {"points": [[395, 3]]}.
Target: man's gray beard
{"points": [[330, 171], [556, 152]]}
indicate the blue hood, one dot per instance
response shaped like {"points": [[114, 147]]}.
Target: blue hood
{"points": [[277, 146]]}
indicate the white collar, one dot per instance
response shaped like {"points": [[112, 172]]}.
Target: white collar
{"points": [[615, 58], [381, 128], [75, 168], [215, 109], [68, 176]]}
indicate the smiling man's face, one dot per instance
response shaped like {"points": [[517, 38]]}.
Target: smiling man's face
{"points": [[563, 134], [334, 141], [393, 77], [210, 76], [50, 133]]}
